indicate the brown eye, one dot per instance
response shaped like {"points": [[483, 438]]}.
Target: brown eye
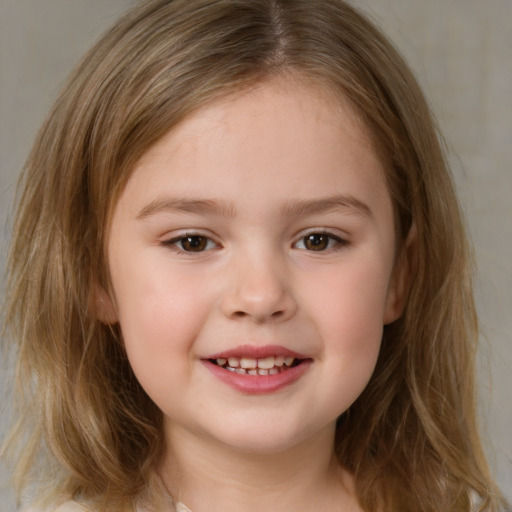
{"points": [[316, 242], [193, 243], [319, 242]]}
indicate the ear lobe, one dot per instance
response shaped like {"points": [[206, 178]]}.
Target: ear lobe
{"points": [[401, 279], [104, 307]]}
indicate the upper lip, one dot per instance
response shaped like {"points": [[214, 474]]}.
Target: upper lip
{"points": [[257, 352]]}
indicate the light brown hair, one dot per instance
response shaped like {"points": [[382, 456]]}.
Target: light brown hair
{"points": [[87, 429]]}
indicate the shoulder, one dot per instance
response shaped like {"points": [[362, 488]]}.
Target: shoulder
{"points": [[72, 506], [69, 506]]}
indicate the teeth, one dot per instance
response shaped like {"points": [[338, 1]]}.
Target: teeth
{"points": [[266, 363], [234, 362], [251, 366], [246, 363]]}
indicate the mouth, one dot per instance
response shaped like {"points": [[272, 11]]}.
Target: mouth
{"points": [[257, 370], [270, 365]]}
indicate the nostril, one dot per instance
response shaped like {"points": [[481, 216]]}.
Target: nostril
{"points": [[243, 314], [260, 307]]}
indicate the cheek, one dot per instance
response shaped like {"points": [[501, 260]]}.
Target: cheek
{"points": [[159, 325], [348, 314], [152, 294], [160, 314], [352, 299]]}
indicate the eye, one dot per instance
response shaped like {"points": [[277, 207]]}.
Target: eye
{"points": [[192, 243], [318, 242]]}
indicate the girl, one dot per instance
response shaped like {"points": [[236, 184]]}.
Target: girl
{"points": [[239, 279]]}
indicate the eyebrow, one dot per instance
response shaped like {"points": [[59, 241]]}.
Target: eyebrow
{"points": [[220, 207], [327, 205], [183, 205]]}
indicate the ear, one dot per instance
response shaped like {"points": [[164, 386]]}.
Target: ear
{"points": [[401, 278], [104, 306]]}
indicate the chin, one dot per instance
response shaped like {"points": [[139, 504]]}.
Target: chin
{"points": [[264, 439]]}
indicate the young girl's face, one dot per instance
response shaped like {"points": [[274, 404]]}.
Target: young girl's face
{"points": [[252, 257]]}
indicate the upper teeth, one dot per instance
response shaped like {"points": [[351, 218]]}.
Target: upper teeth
{"points": [[263, 363]]}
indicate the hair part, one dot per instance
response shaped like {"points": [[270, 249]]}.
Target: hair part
{"points": [[411, 439]]}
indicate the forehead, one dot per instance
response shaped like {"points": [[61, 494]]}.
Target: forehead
{"points": [[297, 109], [271, 139]]}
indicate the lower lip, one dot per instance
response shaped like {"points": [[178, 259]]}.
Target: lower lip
{"points": [[259, 384]]}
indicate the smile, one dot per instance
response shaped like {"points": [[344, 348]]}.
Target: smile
{"points": [[271, 365], [256, 370]]}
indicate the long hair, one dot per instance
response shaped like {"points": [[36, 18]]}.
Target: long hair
{"points": [[87, 429]]}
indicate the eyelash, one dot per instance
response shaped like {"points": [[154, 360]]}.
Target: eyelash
{"points": [[334, 242], [199, 237], [206, 243]]}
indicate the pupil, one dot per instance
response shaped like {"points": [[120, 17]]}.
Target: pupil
{"points": [[317, 242], [194, 243]]}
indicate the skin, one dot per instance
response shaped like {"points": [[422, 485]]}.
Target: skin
{"points": [[269, 168]]}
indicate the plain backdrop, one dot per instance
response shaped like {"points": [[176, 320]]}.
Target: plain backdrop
{"points": [[461, 51]]}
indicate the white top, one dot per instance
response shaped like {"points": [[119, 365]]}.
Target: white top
{"points": [[73, 506]]}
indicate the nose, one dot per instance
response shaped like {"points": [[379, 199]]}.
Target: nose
{"points": [[259, 291]]}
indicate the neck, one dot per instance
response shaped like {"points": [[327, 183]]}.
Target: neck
{"points": [[211, 477]]}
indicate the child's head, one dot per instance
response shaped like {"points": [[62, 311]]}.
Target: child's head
{"points": [[165, 65]]}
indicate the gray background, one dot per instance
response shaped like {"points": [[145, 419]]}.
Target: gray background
{"points": [[461, 51]]}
